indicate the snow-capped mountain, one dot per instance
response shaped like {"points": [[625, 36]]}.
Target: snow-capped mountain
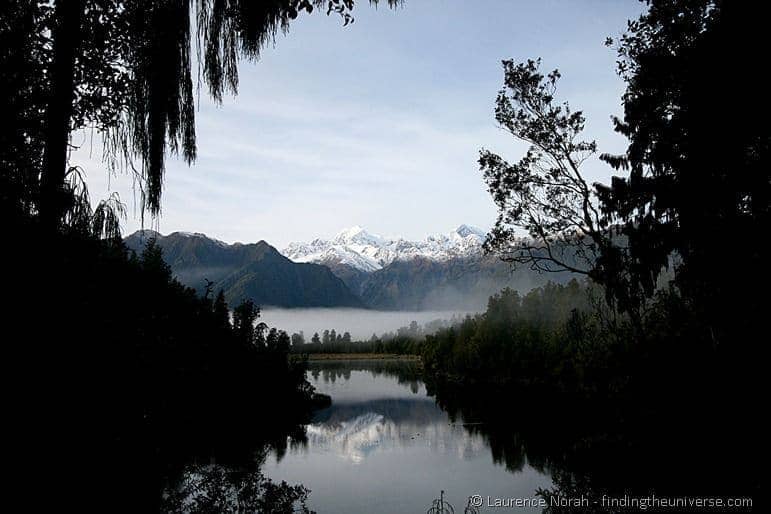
{"points": [[368, 252]]}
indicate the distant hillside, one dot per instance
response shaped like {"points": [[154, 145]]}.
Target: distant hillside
{"points": [[460, 283], [257, 271]]}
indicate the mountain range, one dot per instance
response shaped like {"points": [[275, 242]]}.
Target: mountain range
{"points": [[366, 252], [444, 271], [257, 271], [353, 269]]}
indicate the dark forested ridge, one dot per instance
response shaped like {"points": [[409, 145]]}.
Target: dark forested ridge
{"points": [[255, 271]]}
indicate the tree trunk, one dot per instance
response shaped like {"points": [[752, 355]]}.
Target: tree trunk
{"points": [[66, 40]]}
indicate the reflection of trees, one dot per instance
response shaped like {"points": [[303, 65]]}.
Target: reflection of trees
{"points": [[235, 483], [406, 372], [215, 488], [235, 480], [606, 449]]}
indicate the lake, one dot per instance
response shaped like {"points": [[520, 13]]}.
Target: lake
{"points": [[393, 439], [385, 446]]}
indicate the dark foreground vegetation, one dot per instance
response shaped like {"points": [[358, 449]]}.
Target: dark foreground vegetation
{"points": [[555, 380], [658, 356], [122, 382], [150, 378]]}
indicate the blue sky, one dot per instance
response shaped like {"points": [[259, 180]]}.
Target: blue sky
{"points": [[378, 123]]}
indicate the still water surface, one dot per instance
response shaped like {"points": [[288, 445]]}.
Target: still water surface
{"points": [[384, 446]]}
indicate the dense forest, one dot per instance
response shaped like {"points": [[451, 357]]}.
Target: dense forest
{"points": [[665, 301], [151, 376], [406, 340], [661, 346], [120, 377]]}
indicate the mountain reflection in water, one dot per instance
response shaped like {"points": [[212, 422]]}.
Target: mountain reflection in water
{"points": [[355, 430], [384, 446]]}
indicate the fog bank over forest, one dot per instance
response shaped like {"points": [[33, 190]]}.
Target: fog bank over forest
{"points": [[361, 323]]}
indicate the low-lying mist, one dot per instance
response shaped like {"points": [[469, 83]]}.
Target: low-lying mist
{"points": [[361, 323]]}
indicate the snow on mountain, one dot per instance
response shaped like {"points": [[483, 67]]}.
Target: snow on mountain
{"points": [[464, 231], [369, 252], [200, 235]]}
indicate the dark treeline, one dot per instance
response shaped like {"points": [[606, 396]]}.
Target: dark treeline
{"points": [[406, 340], [557, 380], [659, 354], [120, 377], [552, 333], [395, 346], [408, 372], [150, 378], [670, 307], [598, 448]]}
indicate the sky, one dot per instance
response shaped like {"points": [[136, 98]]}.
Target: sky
{"points": [[378, 123]]}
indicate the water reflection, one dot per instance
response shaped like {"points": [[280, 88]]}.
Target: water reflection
{"points": [[384, 445], [611, 449], [355, 430], [402, 372], [390, 443]]}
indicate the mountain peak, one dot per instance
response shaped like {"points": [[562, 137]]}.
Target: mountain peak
{"points": [[467, 230], [348, 233], [357, 235], [145, 233]]}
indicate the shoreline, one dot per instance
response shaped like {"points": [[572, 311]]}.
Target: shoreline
{"points": [[359, 356]]}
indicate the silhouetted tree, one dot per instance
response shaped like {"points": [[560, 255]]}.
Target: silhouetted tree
{"points": [[244, 317], [153, 262], [261, 331], [545, 192], [298, 339], [24, 87], [698, 155], [220, 308], [548, 214], [124, 68]]}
